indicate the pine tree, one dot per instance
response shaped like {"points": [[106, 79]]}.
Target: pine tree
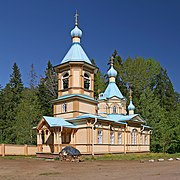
{"points": [[99, 81], [47, 90], [32, 78], [1, 114], [28, 115], [150, 110], [11, 98]]}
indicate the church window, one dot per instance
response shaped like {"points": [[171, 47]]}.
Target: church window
{"points": [[112, 138], [134, 136], [47, 132], [114, 110], [86, 81], [145, 139], [64, 107], [99, 136], [65, 81], [141, 138], [119, 138], [42, 137]]}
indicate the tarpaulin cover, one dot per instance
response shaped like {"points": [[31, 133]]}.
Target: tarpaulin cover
{"points": [[71, 151]]}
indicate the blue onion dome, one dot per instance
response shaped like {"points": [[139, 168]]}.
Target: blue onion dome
{"points": [[76, 32], [112, 72], [131, 106]]}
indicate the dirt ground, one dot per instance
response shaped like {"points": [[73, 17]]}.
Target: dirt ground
{"points": [[26, 168]]}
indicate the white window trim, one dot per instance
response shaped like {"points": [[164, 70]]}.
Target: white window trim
{"points": [[100, 136], [111, 137], [119, 137], [134, 137]]}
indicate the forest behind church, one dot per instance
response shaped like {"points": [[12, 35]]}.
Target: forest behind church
{"points": [[21, 108]]}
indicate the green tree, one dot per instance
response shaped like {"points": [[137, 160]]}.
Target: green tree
{"points": [[139, 74], [32, 78], [28, 115], [174, 121], [99, 81], [11, 98], [164, 91], [151, 111], [1, 114], [47, 90]]}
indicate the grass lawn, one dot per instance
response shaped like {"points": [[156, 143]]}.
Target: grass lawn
{"points": [[135, 156]]}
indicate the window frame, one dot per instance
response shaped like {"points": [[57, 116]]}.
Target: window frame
{"points": [[64, 107], [134, 137], [99, 136], [87, 81], [119, 137], [65, 81], [111, 137]]}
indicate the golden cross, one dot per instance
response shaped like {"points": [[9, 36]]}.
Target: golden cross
{"points": [[76, 18], [112, 59], [130, 94]]}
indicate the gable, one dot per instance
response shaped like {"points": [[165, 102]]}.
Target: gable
{"points": [[42, 124]]}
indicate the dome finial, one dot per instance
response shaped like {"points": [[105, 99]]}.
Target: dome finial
{"points": [[76, 33], [76, 18], [130, 94]]}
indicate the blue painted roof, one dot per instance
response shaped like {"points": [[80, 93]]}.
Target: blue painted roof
{"points": [[113, 91], [96, 116], [112, 72], [131, 106], [121, 117], [76, 53], [146, 127], [74, 95], [58, 122]]}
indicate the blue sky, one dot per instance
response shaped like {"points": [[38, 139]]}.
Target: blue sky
{"points": [[35, 31]]}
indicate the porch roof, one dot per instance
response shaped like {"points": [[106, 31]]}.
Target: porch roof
{"points": [[58, 122]]}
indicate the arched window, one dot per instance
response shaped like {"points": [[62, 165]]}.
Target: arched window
{"points": [[65, 81], [42, 137], [134, 136], [47, 132], [141, 138], [86, 81], [64, 107], [145, 138], [114, 110]]}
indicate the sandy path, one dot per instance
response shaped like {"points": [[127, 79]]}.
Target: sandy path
{"points": [[18, 169]]}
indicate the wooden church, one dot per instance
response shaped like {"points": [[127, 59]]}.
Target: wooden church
{"points": [[93, 126]]}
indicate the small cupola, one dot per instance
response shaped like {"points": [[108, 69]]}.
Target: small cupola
{"points": [[112, 72], [76, 32], [131, 106]]}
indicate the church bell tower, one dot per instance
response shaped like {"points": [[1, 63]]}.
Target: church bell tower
{"points": [[75, 81]]}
